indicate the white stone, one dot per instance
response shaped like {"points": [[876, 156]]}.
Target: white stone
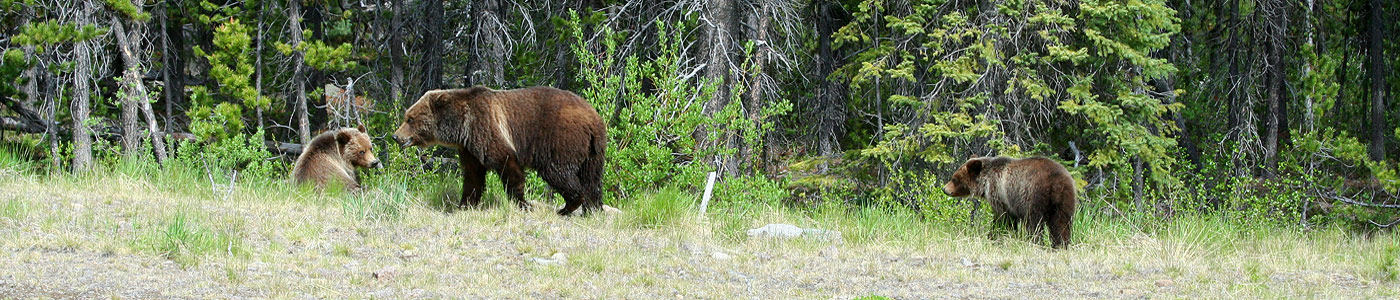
{"points": [[791, 231], [720, 255]]}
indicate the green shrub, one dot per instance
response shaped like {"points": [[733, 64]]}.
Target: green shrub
{"points": [[240, 154]]}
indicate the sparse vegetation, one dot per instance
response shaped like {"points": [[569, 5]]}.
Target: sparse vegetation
{"points": [[1219, 149], [272, 239], [185, 238]]}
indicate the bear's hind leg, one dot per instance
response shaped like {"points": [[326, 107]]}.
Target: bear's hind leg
{"points": [[567, 185], [590, 177], [1060, 223]]}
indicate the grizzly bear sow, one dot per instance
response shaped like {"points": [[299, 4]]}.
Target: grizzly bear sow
{"points": [[1035, 192], [331, 158], [552, 131]]}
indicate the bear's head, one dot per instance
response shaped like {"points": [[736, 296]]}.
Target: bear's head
{"points": [[420, 122], [355, 147], [964, 179]]}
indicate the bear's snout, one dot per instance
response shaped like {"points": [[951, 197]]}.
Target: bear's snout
{"points": [[403, 140], [951, 189], [375, 164]]}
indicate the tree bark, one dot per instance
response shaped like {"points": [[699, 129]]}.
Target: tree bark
{"points": [[172, 43], [314, 20], [829, 110], [82, 92], [431, 63], [1274, 64], [136, 98], [131, 87], [717, 21], [31, 92], [258, 66], [396, 49], [754, 107], [563, 55], [1377, 72], [51, 126], [1308, 30], [299, 72], [488, 60]]}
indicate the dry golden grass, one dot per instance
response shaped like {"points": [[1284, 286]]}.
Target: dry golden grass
{"points": [[129, 237]]}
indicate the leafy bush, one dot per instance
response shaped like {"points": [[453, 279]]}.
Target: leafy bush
{"points": [[244, 155], [649, 134]]}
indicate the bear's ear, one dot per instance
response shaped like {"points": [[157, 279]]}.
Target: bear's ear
{"points": [[361, 128], [342, 138], [974, 167], [435, 101]]}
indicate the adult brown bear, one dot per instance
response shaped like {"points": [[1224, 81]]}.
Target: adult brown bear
{"points": [[1036, 192], [331, 158], [552, 131]]}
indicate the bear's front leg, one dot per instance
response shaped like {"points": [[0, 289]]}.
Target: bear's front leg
{"points": [[473, 180]]}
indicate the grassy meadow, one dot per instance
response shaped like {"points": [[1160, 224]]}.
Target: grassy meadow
{"points": [[133, 230]]}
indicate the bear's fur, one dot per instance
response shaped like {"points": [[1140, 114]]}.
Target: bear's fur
{"points": [[1035, 192], [552, 131], [332, 156]]}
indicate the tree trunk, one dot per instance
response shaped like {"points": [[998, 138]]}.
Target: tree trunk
{"points": [[172, 43], [433, 16], [51, 126], [299, 72], [717, 22], [1308, 30], [396, 49], [1285, 136], [1138, 183], [82, 91], [1377, 71], [314, 20], [258, 66], [753, 108], [830, 114], [1342, 81], [134, 97], [31, 86], [489, 55], [563, 55], [131, 86], [1274, 64]]}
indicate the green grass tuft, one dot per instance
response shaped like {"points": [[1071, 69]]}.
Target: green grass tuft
{"points": [[13, 209], [183, 238], [658, 209], [1387, 263]]}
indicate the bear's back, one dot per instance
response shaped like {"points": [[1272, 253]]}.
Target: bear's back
{"points": [[320, 160]]}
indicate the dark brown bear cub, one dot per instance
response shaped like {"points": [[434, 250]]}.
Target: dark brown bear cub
{"points": [[552, 131], [1034, 192], [331, 158]]}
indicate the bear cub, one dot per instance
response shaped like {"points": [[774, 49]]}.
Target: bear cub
{"points": [[1033, 193], [332, 156]]}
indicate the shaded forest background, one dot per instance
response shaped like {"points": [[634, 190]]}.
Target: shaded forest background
{"points": [[1259, 109]]}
